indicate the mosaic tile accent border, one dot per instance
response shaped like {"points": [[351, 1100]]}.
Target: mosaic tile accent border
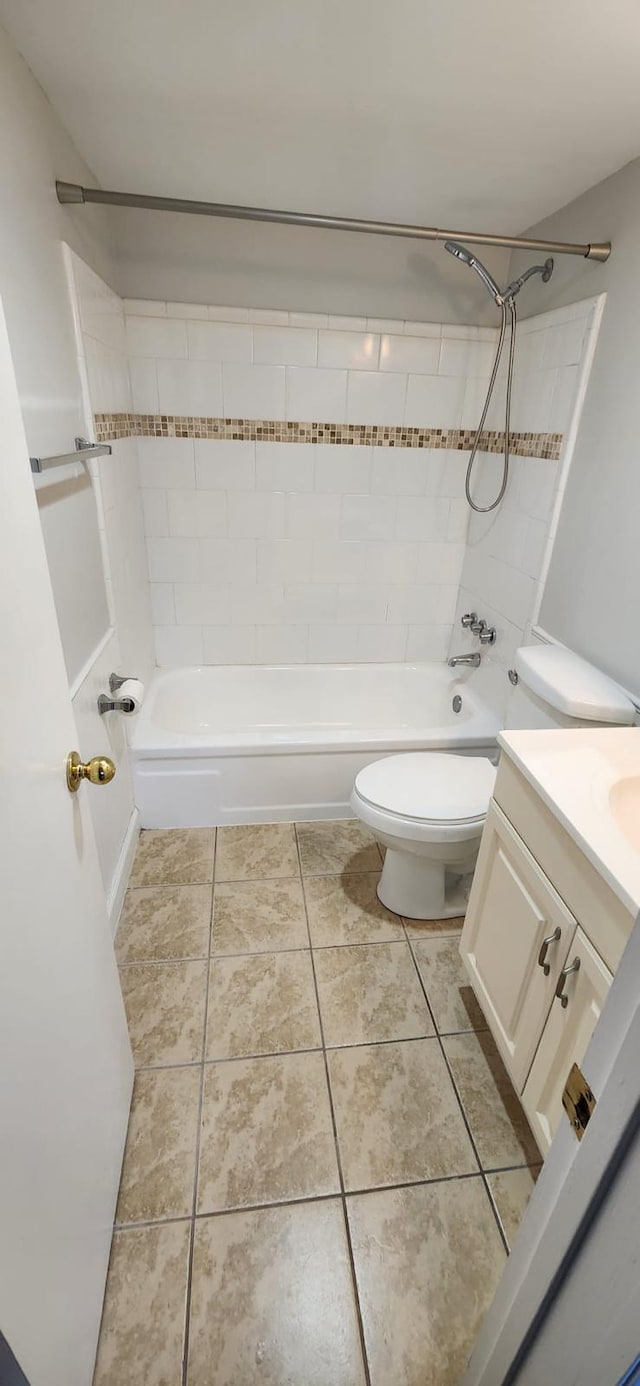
{"points": [[112, 426]]}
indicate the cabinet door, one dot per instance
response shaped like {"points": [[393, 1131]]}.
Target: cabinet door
{"points": [[565, 1037], [513, 908]]}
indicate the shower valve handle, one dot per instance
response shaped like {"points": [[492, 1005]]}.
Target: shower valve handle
{"points": [[468, 619]]}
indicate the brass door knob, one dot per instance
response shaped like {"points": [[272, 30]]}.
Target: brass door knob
{"points": [[98, 770]]}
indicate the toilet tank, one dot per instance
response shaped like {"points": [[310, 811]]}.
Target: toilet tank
{"points": [[557, 688]]}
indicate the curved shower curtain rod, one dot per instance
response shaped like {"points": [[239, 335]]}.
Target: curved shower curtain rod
{"points": [[73, 192]]}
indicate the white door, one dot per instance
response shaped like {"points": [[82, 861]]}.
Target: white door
{"points": [[514, 942], [65, 1061], [572, 1020]]}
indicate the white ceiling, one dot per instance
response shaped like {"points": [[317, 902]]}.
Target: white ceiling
{"points": [[487, 114]]}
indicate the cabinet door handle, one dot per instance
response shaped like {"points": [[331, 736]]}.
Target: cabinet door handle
{"points": [[560, 993], [542, 955]]}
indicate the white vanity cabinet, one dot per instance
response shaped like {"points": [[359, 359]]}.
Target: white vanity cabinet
{"points": [[541, 940], [514, 942]]}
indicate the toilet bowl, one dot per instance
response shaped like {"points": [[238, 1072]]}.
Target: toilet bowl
{"points": [[428, 810]]}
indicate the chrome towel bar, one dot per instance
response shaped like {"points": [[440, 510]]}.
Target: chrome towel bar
{"points": [[83, 451]]}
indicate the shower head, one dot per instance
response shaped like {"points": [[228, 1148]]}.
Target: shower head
{"points": [[461, 253]]}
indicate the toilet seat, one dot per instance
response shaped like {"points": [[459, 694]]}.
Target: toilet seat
{"points": [[425, 795]]}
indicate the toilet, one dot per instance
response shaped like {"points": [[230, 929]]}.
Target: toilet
{"points": [[428, 808]]}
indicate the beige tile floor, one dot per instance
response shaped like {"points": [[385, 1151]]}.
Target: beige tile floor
{"points": [[325, 1162]]}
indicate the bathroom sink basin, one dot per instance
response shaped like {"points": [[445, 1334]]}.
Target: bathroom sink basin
{"points": [[624, 801]]}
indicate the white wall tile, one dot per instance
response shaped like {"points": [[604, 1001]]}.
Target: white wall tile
{"points": [[276, 317], [222, 465], [187, 310], [375, 397], [379, 644], [464, 358], [285, 346], [154, 509], [367, 517], [439, 563], [253, 392], [430, 643], [400, 471], [309, 319], [344, 469], [167, 462], [226, 314], [173, 560], [422, 518], [163, 610], [315, 395], [256, 514], [564, 398], [201, 604], [392, 561], [538, 483], [312, 516], [362, 603], [434, 401], [281, 644], [213, 341], [339, 560], [227, 645], [197, 514], [285, 559], [157, 337], [285, 466], [564, 343], [413, 604], [310, 603], [332, 644], [423, 329], [177, 646], [144, 385], [346, 324], [258, 605], [144, 307], [404, 354], [228, 561], [349, 350], [190, 387], [395, 325]]}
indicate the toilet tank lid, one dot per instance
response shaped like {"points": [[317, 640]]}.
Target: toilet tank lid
{"points": [[571, 685]]}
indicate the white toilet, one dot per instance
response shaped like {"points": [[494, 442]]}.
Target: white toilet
{"points": [[428, 809]]}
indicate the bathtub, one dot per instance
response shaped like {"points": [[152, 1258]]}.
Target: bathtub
{"points": [[250, 744]]}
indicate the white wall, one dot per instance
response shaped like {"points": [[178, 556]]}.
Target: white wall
{"points": [[591, 599], [267, 551], [167, 255], [507, 550]]}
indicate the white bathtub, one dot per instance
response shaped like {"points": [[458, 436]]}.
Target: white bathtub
{"points": [[219, 745]]}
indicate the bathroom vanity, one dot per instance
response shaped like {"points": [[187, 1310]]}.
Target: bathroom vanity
{"points": [[555, 895]]}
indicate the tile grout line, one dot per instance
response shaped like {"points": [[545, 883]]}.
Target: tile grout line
{"points": [[345, 1215], [457, 1094], [316, 1198], [187, 1307]]}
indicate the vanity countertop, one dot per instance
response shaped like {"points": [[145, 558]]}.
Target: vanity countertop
{"points": [[589, 778]]}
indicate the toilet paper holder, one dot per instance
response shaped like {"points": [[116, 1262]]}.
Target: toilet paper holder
{"points": [[113, 704]]}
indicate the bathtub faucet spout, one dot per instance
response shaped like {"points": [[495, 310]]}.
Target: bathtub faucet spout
{"points": [[472, 660]]}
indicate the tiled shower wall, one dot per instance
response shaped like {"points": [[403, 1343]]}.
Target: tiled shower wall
{"points": [[506, 551], [262, 551]]}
